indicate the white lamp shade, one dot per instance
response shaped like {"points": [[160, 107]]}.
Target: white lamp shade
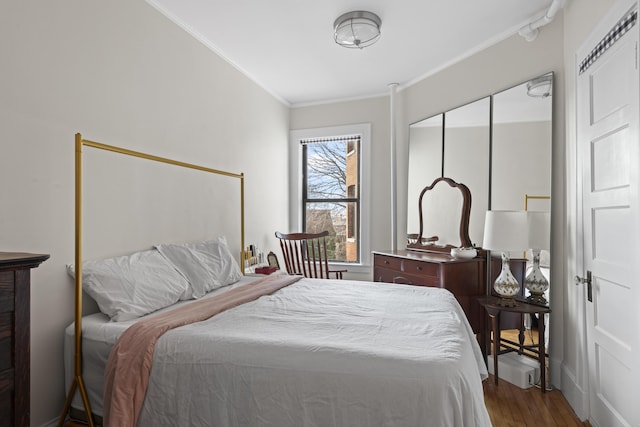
{"points": [[539, 229], [505, 231]]}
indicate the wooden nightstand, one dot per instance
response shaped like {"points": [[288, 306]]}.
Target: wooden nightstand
{"points": [[494, 310], [15, 336]]}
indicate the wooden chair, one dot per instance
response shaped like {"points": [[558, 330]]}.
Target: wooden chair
{"points": [[305, 254]]}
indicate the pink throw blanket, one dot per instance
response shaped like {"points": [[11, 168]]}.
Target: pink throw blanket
{"points": [[129, 364]]}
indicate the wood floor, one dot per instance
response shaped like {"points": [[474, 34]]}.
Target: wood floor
{"points": [[511, 406]]}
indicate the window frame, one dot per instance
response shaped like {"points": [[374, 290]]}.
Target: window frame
{"points": [[296, 188]]}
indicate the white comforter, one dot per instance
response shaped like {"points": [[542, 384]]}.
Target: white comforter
{"points": [[323, 353]]}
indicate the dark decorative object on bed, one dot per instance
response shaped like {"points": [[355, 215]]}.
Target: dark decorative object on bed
{"points": [[14, 336], [306, 254]]}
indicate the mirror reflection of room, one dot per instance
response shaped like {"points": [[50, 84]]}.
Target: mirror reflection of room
{"points": [[521, 180], [500, 147], [466, 157], [439, 226], [425, 163]]}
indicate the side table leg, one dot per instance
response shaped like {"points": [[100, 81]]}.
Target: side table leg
{"points": [[541, 354], [521, 334], [495, 329]]}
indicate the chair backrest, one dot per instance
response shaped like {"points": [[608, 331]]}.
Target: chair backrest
{"points": [[305, 254]]}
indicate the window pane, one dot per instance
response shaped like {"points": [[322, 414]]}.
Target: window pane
{"points": [[326, 170], [333, 218]]}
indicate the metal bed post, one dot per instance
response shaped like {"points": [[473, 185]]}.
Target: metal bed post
{"points": [[78, 382]]}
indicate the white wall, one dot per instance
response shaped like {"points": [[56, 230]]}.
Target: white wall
{"points": [[120, 73], [376, 112]]}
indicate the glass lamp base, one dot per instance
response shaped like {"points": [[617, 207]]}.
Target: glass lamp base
{"points": [[506, 286], [535, 282]]}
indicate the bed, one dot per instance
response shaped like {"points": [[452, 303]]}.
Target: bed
{"points": [[312, 352], [318, 352]]}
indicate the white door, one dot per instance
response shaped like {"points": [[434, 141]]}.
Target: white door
{"points": [[608, 163]]}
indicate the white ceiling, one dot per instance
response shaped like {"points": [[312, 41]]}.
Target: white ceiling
{"points": [[287, 46]]}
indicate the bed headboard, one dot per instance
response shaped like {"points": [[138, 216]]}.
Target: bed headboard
{"points": [[78, 382]]}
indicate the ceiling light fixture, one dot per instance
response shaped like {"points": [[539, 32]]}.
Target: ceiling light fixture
{"points": [[357, 29], [540, 87]]}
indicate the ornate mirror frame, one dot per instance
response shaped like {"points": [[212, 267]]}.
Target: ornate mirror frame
{"points": [[422, 243]]}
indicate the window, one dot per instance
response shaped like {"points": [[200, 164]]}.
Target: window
{"points": [[330, 171], [330, 176]]}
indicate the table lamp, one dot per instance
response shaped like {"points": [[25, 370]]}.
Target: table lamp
{"points": [[506, 231], [539, 230]]}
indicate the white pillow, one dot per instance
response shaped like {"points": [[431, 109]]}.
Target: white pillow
{"points": [[128, 287], [207, 265]]}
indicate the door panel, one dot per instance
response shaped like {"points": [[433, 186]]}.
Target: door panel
{"points": [[607, 122], [607, 97], [611, 310], [612, 170], [609, 225]]}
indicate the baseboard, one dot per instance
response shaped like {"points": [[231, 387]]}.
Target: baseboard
{"points": [[555, 372], [577, 398], [52, 423]]}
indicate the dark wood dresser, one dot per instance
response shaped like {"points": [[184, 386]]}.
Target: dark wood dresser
{"points": [[15, 273], [465, 278]]}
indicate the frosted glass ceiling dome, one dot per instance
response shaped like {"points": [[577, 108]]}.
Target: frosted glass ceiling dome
{"points": [[357, 29]]}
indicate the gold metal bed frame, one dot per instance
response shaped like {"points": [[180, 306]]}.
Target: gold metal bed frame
{"points": [[78, 382]]}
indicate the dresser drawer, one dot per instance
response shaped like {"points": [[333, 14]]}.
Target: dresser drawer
{"points": [[473, 310], [389, 262], [400, 277], [6, 398], [6, 341], [6, 291], [431, 270], [386, 275], [408, 266], [465, 278]]}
